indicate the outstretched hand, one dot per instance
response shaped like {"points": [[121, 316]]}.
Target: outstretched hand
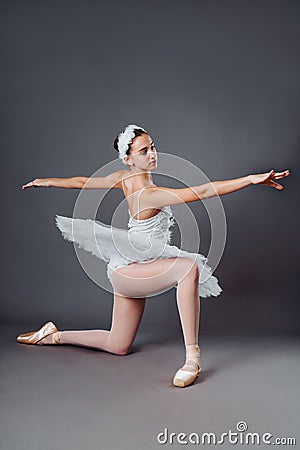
{"points": [[38, 182], [268, 177]]}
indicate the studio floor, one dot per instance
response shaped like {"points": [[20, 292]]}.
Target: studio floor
{"points": [[74, 398]]}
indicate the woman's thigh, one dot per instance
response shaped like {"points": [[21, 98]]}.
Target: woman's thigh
{"points": [[150, 277]]}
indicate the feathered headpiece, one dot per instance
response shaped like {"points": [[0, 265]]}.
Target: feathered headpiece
{"points": [[125, 139]]}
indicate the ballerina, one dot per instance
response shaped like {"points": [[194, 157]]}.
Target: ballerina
{"points": [[144, 270]]}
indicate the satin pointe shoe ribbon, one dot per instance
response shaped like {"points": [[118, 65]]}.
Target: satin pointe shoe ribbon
{"points": [[183, 377], [32, 337]]}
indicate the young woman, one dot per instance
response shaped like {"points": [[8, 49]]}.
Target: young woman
{"points": [[142, 269]]}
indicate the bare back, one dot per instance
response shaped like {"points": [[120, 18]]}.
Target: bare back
{"points": [[134, 198]]}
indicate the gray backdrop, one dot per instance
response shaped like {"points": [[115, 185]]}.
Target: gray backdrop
{"points": [[214, 82]]}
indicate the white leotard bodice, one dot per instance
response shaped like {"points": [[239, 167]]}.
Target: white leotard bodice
{"points": [[157, 226]]}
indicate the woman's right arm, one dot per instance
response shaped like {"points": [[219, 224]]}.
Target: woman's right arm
{"points": [[73, 182], [112, 180]]}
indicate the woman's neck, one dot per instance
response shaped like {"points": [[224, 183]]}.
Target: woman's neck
{"points": [[141, 177]]}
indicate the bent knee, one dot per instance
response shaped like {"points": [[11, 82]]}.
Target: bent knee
{"points": [[123, 352], [190, 270], [119, 350]]}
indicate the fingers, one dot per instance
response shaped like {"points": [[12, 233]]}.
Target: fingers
{"points": [[276, 185], [25, 186], [33, 183], [28, 185], [285, 172], [278, 176]]}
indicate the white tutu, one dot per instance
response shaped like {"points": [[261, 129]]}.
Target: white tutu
{"points": [[144, 240]]}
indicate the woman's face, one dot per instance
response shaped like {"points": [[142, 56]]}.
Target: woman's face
{"points": [[142, 153]]}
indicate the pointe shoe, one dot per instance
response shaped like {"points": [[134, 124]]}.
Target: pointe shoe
{"points": [[33, 337], [183, 377]]}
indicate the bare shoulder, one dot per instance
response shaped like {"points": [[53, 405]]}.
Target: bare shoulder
{"points": [[114, 179], [111, 181]]}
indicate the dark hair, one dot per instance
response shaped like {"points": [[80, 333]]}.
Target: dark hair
{"points": [[137, 132]]}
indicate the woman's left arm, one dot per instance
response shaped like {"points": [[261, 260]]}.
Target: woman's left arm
{"points": [[158, 197], [227, 186]]}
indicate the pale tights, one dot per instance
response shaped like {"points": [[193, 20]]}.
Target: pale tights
{"points": [[131, 285]]}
